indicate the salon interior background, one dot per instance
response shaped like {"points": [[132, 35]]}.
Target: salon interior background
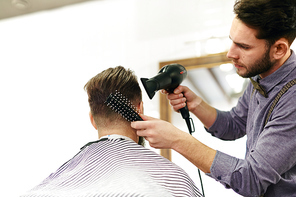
{"points": [[47, 55]]}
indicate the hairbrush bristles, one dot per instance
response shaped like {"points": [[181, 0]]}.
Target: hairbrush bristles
{"points": [[123, 106]]}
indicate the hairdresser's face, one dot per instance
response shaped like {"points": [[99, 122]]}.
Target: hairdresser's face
{"points": [[250, 55]]}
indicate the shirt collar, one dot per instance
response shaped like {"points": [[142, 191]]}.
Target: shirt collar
{"points": [[103, 138], [115, 136]]}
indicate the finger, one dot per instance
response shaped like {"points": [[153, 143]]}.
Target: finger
{"points": [[179, 89], [144, 117], [178, 101], [141, 125], [164, 91], [179, 106], [142, 133], [174, 96]]}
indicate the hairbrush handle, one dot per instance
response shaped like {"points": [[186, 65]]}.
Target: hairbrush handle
{"points": [[138, 117]]}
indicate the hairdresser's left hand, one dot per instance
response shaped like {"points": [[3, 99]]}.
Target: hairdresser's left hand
{"points": [[159, 133]]}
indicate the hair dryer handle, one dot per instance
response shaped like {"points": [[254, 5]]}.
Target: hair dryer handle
{"points": [[185, 112], [185, 115]]}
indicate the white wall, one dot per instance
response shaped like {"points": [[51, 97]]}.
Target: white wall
{"points": [[47, 57]]}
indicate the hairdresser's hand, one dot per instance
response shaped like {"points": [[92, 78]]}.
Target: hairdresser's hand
{"points": [[181, 96], [159, 133], [162, 134]]}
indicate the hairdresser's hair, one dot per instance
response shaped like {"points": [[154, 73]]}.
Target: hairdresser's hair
{"points": [[108, 81], [273, 19]]}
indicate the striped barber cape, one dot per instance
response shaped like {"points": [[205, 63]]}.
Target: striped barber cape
{"points": [[117, 167]]}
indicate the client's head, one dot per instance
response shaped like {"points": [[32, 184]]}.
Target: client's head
{"points": [[101, 86]]}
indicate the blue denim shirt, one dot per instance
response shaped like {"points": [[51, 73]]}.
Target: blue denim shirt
{"points": [[269, 166]]}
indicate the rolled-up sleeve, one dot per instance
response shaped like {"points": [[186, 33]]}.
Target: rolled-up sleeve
{"points": [[222, 168], [249, 177], [233, 132], [270, 159], [231, 125]]}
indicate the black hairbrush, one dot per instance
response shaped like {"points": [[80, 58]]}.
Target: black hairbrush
{"points": [[123, 106]]}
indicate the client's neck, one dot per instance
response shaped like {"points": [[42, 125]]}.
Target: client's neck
{"points": [[124, 130]]}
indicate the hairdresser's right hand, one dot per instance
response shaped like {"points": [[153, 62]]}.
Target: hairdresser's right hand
{"points": [[159, 133], [181, 96]]}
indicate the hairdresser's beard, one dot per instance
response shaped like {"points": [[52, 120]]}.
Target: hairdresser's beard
{"points": [[141, 141], [260, 66]]}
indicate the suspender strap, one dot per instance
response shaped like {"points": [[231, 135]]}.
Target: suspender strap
{"points": [[277, 98]]}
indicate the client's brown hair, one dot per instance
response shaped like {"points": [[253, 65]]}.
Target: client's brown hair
{"points": [[100, 86]]}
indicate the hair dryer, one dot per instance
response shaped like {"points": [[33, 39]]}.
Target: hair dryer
{"points": [[169, 77]]}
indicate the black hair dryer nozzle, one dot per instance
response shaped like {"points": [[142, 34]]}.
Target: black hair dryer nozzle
{"points": [[169, 77]]}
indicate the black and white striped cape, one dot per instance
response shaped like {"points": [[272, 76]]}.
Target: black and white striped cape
{"points": [[116, 167]]}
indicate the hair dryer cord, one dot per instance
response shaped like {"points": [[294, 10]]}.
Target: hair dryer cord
{"points": [[185, 115]]}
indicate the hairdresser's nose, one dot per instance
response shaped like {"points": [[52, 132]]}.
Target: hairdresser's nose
{"points": [[233, 52]]}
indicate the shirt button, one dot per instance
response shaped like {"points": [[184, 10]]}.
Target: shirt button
{"points": [[215, 132], [219, 177], [236, 190]]}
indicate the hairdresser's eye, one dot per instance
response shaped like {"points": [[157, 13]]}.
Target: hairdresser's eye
{"points": [[245, 47]]}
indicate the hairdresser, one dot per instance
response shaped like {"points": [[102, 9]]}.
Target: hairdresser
{"points": [[261, 33]]}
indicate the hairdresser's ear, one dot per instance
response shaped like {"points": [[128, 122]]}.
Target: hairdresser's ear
{"points": [[279, 49], [92, 120]]}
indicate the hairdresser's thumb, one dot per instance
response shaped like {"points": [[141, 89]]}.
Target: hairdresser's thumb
{"points": [[178, 90]]}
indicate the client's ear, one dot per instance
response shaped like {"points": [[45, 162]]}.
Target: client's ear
{"points": [[141, 107], [92, 121]]}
